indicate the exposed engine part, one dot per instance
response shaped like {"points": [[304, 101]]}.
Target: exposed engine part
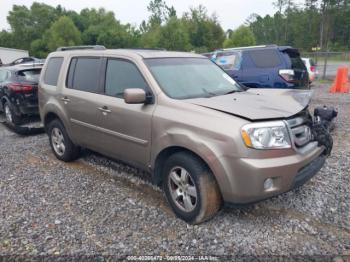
{"points": [[326, 116], [323, 137], [322, 126]]}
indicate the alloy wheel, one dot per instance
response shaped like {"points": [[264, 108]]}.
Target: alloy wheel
{"points": [[57, 139], [8, 114], [182, 189]]}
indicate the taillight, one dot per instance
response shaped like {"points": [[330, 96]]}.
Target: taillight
{"points": [[313, 68], [20, 88], [287, 75]]}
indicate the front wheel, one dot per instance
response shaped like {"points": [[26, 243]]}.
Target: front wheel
{"points": [[191, 188]]}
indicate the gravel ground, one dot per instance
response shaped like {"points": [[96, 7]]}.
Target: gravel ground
{"points": [[98, 206]]}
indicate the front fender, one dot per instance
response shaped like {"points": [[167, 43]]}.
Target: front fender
{"points": [[208, 149]]}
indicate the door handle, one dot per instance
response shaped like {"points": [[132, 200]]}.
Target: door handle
{"points": [[65, 99], [104, 109]]}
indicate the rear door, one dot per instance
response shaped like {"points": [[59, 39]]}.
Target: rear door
{"points": [[81, 98], [294, 61]]}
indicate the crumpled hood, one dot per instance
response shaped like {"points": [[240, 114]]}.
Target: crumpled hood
{"points": [[259, 104]]}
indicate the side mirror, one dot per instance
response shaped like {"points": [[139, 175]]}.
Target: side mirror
{"points": [[134, 96]]}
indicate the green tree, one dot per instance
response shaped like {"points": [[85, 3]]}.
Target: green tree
{"points": [[160, 12], [6, 39], [101, 27], [62, 33], [242, 36], [28, 24], [173, 36], [150, 38], [205, 32]]}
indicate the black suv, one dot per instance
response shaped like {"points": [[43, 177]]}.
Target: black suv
{"points": [[268, 66], [19, 92]]}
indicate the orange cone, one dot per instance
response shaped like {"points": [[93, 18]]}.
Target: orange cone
{"points": [[345, 84], [339, 81]]}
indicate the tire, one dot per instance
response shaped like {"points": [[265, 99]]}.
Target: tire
{"points": [[11, 117], [61, 145], [193, 210]]}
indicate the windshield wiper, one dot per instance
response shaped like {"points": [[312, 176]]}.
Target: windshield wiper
{"points": [[210, 94], [232, 92]]}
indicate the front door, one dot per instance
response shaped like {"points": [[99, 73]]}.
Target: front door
{"points": [[126, 127]]}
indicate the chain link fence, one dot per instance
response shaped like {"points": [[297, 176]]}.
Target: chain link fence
{"points": [[328, 62]]}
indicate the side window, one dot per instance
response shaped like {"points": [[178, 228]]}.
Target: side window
{"points": [[84, 74], [265, 58], [229, 61], [3, 75], [18, 61], [120, 75], [53, 70]]}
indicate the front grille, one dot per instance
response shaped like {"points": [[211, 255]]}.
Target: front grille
{"points": [[300, 129]]}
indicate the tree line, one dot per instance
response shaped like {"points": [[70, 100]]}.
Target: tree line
{"points": [[42, 28], [321, 24]]}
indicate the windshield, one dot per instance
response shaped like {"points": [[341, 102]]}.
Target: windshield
{"points": [[184, 78]]}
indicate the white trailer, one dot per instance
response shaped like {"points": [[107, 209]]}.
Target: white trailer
{"points": [[8, 55]]}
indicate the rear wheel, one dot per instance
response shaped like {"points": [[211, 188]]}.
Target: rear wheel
{"points": [[62, 146], [191, 188], [11, 117]]}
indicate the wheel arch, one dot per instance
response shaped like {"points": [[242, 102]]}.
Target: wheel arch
{"points": [[4, 99], [163, 155], [50, 114]]}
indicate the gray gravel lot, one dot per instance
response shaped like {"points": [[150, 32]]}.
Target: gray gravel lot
{"points": [[99, 206]]}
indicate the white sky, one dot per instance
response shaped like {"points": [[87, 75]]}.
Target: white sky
{"points": [[231, 13]]}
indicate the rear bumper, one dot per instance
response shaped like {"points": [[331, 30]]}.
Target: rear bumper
{"points": [[245, 181], [29, 110], [25, 106]]}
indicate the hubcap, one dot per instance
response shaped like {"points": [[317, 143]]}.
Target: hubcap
{"points": [[57, 140], [182, 189], [8, 114]]}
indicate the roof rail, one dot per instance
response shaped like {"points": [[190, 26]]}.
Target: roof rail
{"points": [[31, 64], [81, 47], [247, 47], [150, 49]]}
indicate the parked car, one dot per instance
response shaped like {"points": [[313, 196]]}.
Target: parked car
{"points": [[311, 68], [183, 119], [269, 66], [26, 60], [19, 92]]}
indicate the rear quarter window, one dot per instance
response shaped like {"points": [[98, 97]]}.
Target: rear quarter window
{"points": [[295, 60], [229, 61], [52, 71], [266, 58]]}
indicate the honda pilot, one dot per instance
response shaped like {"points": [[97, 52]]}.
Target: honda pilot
{"points": [[184, 120]]}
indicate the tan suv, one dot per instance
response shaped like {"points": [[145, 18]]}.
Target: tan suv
{"points": [[179, 116]]}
